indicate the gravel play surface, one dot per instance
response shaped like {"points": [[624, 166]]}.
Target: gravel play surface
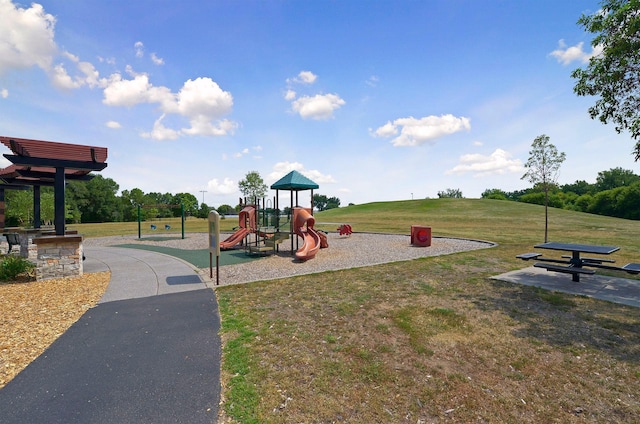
{"points": [[356, 250]]}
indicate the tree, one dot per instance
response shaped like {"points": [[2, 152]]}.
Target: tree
{"points": [[98, 203], [203, 212], [225, 209], [494, 193], [320, 201], [543, 167], [616, 177], [453, 193], [253, 186], [614, 75], [19, 207], [333, 202], [580, 187], [189, 201]]}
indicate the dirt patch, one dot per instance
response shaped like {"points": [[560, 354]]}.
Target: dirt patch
{"points": [[36, 313]]}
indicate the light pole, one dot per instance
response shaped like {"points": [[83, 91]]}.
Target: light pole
{"points": [[203, 192]]}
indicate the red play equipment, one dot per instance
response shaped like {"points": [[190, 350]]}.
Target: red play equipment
{"points": [[420, 236], [247, 224], [313, 240], [345, 230]]}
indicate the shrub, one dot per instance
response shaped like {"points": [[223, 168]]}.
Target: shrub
{"points": [[12, 266]]}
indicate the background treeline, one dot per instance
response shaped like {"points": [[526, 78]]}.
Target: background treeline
{"points": [[98, 201], [615, 193]]}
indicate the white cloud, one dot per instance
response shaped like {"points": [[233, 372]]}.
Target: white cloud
{"points": [[290, 95], [372, 81], [61, 79], [160, 132], [113, 124], [156, 60], [26, 37], [87, 74], [318, 107], [123, 92], [498, 163], [415, 132], [201, 101], [565, 54], [281, 169], [227, 186], [304, 77], [139, 46], [4, 93], [241, 153], [204, 97]]}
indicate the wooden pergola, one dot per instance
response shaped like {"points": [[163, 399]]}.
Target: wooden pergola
{"points": [[39, 163]]}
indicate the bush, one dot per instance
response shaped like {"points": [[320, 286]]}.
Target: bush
{"points": [[12, 266]]}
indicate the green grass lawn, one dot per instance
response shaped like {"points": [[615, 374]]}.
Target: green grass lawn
{"points": [[435, 339]]}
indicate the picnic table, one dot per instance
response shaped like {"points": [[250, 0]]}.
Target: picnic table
{"points": [[576, 264]]}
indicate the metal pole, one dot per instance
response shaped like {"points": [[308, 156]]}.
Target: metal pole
{"points": [[139, 217], [182, 210], [58, 195], [36, 206]]}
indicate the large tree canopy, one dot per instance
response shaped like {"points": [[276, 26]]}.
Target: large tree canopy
{"points": [[614, 75]]}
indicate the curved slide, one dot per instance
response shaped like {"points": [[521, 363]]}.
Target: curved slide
{"points": [[246, 217], [301, 218]]}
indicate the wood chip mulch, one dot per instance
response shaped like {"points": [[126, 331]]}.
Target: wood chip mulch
{"points": [[35, 313]]}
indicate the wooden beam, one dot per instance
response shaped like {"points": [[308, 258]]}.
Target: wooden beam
{"points": [[55, 163]]}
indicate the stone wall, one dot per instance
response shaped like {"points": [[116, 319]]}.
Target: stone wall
{"points": [[59, 257]]}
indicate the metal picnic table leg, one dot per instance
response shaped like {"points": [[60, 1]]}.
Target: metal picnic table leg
{"points": [[577, 263]]}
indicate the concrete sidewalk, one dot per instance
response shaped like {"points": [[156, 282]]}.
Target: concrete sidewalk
{"points": [[149, 352], [613, 289], [141, 273]]}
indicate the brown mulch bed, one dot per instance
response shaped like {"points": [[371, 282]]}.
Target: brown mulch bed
{"points": [[35, 313]]}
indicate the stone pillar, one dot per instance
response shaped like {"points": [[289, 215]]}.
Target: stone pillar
{"points": [[59, 257]]}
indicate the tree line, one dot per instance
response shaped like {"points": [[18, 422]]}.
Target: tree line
{"points": [[98, 200], [615, 193]]}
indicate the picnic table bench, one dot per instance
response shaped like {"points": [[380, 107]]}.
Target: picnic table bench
{"points": [[13, 239], [575, 264]]}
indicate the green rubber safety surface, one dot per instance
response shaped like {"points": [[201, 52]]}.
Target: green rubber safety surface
{"points": [[198, 258]]}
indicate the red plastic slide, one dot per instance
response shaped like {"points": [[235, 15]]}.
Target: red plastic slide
{"points": [[234, 238], [302, 217], [247, 223]]}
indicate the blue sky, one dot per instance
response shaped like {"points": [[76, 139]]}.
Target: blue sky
{"points": [[373, 100]]}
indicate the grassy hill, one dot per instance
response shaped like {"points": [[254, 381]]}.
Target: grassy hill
{"points": [[505, 222]]}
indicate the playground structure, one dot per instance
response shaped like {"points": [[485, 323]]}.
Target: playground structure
{"points": [[303, 223], [247, 224], [261, 230]]}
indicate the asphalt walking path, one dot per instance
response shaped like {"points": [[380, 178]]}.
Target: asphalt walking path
{"points": [[149, 352]]}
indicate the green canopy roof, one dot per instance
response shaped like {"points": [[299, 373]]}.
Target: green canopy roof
{"points": [[294, 181]]}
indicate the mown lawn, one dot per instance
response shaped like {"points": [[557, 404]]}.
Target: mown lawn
{"points": [[435, 339]]}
